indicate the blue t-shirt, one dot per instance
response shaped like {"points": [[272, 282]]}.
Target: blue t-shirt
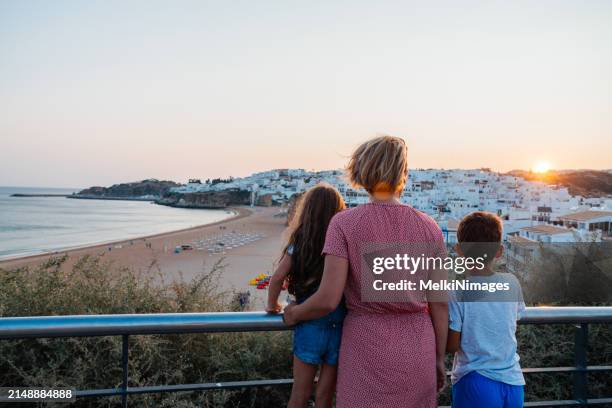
{"points": [[488, 331]]}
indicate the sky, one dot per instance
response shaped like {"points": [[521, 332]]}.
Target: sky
{"points": [[101, 92]]}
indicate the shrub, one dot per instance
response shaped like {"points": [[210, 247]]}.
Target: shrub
{"points": [[93, 286]]}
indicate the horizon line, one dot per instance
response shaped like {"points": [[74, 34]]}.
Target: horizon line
{"points": [[292, 168]]}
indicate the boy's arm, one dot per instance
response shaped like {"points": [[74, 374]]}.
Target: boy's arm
{"points": [[520, 307], [453, 341], [276, 284], [455, 323]]}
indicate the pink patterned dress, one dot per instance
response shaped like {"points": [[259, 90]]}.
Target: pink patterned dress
{"points": [[387, 354]]}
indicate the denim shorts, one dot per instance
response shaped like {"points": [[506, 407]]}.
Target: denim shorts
{"points": [[318, 341]]}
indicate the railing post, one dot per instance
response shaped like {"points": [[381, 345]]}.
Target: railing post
{"points": [[581, 334], [124, 367]]}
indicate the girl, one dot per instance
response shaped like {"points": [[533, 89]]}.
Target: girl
{"points": [[391, 353], [315, 342]]}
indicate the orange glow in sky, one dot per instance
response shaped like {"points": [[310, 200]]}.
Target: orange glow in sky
{"points": [[96, 93], [542, 167]]}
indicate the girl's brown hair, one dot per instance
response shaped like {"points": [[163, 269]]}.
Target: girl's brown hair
{"points": [[380, 164], [308, 228]]}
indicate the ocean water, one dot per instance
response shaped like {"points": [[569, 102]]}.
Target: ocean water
{"points": [[36, 225]]}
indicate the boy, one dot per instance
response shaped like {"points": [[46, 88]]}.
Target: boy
{"points": [[482, 324]]}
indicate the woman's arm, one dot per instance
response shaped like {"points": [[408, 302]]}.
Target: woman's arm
{"points": [[276, 284], [438, 310], [326, 298]]}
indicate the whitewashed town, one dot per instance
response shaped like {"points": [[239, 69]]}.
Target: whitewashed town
{"points": [[532, 211]]}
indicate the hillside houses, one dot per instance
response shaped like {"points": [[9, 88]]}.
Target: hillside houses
{"points": [[448, 195]]}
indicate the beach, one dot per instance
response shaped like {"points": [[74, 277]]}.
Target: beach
{"points": [[252, 240]]}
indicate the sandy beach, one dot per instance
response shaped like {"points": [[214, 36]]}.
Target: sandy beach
{"points": [[260, 227]]}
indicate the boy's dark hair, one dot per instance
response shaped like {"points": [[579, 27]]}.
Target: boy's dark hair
{"points": [[479, 235]]}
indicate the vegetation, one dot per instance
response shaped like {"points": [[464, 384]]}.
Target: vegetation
{"points": [[566, 274], [95, 286], [149, 187], [219, 180], [587, 183]]}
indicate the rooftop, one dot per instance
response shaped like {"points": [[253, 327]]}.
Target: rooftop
{"points": [[547, 229], [586, 215], [520, 240]]}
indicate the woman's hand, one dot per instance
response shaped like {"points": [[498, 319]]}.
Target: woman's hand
{"points": [[289, 316], [274, 308], [441, 374]]}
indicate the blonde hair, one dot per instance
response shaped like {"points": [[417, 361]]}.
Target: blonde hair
{"points": [[380, 164]]}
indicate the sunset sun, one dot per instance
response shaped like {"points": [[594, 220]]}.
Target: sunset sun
{"points": [[541, 167]]}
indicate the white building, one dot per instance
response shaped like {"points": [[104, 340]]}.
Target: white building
{"points": [[528, 208], [589, 221], [547, 234]]}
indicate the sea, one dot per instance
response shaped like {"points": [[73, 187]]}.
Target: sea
{"points": [[35, 225]]}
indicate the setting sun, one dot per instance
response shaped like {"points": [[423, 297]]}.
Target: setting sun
{"points": [[541, 167]]}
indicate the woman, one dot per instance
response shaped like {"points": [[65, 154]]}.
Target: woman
{"points": [[391, 353]]}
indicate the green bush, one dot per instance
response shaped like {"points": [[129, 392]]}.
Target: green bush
{"points": [[93, 286]]}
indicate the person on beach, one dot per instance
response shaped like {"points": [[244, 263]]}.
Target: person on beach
{"points": [[315, 342], [486, 371], [391, 353]]}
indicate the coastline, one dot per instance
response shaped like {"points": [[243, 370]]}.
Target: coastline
{"points": [[155, 253], [87, 197], [26, 259]]}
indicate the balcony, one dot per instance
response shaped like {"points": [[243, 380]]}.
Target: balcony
{"points": [[179, 323]]}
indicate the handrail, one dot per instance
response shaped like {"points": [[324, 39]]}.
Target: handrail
{"points": [[125, 325], [172, 323], [152, 323], [567, 314]]}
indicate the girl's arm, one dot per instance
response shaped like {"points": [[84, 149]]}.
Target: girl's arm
{"points": [[326, 298], [276, 284]]}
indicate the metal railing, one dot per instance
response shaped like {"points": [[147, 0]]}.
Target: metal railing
{"points": [[179, 323]]}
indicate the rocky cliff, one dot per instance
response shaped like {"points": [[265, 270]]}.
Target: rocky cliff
{"points": [[208, 199], [150, 188]]}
